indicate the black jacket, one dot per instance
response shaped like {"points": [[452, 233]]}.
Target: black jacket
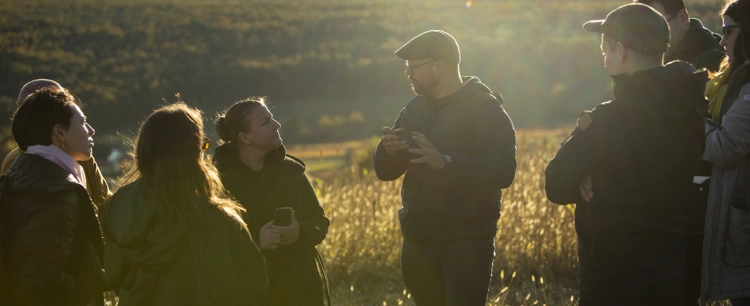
{"points": [[641, 151], [462, 200], [699, 47], [295, 271], [212, 262], [53, 244]]}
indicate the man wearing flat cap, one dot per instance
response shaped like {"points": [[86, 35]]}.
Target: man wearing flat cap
{"points": [[629, 163], [456, 146]]}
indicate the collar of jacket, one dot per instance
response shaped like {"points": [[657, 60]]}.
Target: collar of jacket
{"points": [[31, 172], [226, 158], [676, 88], [698, 39]]}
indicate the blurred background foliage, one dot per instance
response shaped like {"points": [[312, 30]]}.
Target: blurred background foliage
{"points": [[327, 66]]}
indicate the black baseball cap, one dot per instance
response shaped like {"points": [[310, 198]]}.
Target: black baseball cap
{"points": [[434, 44], [635, 25]]}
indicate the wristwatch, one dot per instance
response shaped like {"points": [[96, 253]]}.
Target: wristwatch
{"points": [[448, 160]]}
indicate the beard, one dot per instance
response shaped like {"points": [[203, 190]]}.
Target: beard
{"points": [[421, 88]]}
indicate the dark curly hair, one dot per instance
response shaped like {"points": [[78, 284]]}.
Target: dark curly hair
{"points": [[35, 120]]}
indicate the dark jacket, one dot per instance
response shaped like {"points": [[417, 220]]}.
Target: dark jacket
{"points": [[462, 200], [53, 244], [213, 262], [699, 47], [726, 247], [296, 271], [640, 150]]}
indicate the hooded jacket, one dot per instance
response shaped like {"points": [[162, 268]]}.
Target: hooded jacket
{"points": [[213, 262], [726, 247], [461, 200], [699, 47], [640, 150], [52, 245], [296, 272]]}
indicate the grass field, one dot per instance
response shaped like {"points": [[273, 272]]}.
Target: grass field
{"points": [[536, 251], [536, 260]]}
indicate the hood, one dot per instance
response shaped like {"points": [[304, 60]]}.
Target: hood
{"points": [[472, 86], [671, 92], [131, 224], [30, 172], [698, 39], [227, 160]]}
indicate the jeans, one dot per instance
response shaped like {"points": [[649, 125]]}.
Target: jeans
{"points": [[448, 274]]}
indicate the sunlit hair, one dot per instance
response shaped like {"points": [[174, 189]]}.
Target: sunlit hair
{"points": [[169, 158], [739, 11], [611, 44], [235, 119]]}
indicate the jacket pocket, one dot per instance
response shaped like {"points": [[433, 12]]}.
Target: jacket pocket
{"points": [[738, 237]]}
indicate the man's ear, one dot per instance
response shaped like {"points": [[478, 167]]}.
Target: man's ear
{"points": [[440, 66], [622, 52]]}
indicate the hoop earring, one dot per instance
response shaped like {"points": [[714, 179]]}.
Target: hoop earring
{"points": [[65, 145]]}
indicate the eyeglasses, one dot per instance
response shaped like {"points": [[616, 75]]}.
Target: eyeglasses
{"points": [[206, 144], [411, 68], [726, 29]]}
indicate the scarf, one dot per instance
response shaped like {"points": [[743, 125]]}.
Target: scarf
{"points": [[716, 88], [62, 159]]}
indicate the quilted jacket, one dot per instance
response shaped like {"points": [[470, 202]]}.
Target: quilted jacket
{"points": [[53, 244], [726, 248]]}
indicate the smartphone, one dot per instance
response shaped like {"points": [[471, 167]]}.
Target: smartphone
{"points": [[282, 216]]}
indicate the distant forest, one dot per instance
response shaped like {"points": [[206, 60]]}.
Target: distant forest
{"points": [[327, 66]]}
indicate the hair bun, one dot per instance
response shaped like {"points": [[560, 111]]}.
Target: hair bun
{"points": [[221, 128]]}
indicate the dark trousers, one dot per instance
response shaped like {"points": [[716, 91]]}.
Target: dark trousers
{"points": [[448, 274], [632, 269]]}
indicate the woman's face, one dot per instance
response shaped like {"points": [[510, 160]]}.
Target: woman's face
{"points": [[263, 132], [732, 30], [77, 141]]}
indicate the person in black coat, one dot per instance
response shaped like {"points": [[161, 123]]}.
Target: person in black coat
{"points": [[256, 170], [51, 240]]}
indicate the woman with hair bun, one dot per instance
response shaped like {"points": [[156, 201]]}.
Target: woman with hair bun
{"points": [[255, 168]]}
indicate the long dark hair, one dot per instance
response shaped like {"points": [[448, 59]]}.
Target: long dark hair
{"points": [[739, 10], [168, 155]]}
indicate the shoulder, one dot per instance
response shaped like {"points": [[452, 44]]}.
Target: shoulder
{"points": [[292, 166], [8, 160], [597, 116]]}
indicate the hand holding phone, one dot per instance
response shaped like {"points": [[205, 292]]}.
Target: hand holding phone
{"points": [[282, 216]]}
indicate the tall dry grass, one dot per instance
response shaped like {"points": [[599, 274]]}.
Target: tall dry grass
{"points": [[536, 250], [536, 259]]}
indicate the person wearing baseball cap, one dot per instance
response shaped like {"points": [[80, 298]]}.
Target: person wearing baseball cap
{"points": [[629, 163], [456, 146]]}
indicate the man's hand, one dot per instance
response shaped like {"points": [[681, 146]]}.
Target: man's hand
{"points": [[289, 234], [587, 189], [392, 141], [430, 154], [269, 237]]}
